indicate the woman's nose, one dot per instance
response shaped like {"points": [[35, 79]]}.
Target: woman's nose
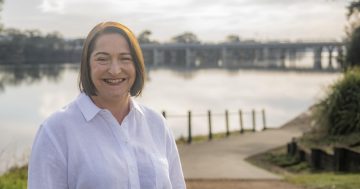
{"points": [[115, 67]]}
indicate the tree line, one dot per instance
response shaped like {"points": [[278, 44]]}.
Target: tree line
{"points": [[31, 46]]}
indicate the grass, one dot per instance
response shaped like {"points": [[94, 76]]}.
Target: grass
{"points": [[15, 178], [316, 140], [300, 173], [326, 180], [215, 136], [278, 161]]}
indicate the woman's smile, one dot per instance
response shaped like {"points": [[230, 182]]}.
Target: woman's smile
{"points": [[114, 81]]}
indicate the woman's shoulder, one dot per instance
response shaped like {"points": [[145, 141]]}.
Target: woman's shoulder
{"points": [[149, 113], [62, 116]]}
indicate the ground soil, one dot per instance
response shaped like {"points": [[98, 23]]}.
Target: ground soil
{"points": [[240, 184]]}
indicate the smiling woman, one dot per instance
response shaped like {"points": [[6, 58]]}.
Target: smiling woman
{"points": [[112, 72], [104, 138]]}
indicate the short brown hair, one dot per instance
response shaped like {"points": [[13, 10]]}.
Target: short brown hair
{"points": [[85, 83]]}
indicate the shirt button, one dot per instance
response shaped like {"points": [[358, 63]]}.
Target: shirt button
{"points": [[132, 169]]}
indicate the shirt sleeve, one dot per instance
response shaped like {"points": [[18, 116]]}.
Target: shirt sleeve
{"points": [[47, 164], [175, 170]]}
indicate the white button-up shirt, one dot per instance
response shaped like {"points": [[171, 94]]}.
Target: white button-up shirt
{"points": [[84, 147]]}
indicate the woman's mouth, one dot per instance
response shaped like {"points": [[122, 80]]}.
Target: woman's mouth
{"points": [[114, 81]]}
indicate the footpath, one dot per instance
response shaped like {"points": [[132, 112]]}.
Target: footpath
{"points": [[223, 160]]}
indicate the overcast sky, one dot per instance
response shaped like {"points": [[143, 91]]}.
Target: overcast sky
{"points": [[210, 20]]}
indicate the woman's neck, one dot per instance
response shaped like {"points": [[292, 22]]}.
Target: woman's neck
{"points": [[119, 108]]}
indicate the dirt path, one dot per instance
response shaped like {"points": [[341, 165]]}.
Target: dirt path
{"points": [[209, 176], [239, 184]]}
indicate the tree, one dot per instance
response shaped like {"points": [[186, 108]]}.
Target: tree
{"points": [[186, 37], [353, 17], [144, 36], [232, 38], [353, 49], [352, 57]]}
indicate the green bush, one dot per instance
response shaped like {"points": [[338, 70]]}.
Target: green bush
{"points": [[339, 113], [15, 178]]}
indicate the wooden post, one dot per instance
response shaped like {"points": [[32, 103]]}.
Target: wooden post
{"points": [[189, 129], [293, 148], [164, 114], [210, 129], [288, 149], [254, 120], [241, 122], [339, 159], [301, 155], [315, 159], [227, 122], [264, 119]]}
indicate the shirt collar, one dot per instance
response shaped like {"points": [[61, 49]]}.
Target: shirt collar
{"points": [[136, 106], [87, 106], [89, 109]]}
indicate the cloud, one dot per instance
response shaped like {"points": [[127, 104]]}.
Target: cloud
{"points": [[79, 7], [55, 6], [211, 20]]}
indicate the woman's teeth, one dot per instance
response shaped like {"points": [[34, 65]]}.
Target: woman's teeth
{"points": [[114, 81]]}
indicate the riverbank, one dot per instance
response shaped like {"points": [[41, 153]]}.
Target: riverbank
{"points": [[222, 163], [225, 158], [301, 174]]}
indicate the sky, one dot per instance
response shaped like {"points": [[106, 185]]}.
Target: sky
{"points": [[210, 20]]}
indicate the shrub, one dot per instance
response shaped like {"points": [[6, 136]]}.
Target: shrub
{"points": [[339, 112], [16, 178]]}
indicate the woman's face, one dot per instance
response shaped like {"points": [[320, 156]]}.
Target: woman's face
{"points": [[112, 67]]}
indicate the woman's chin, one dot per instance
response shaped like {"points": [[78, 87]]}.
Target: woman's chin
{"points": [[117, 96]]}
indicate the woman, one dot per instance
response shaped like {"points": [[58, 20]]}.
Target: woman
{"points": [[105, 139]]}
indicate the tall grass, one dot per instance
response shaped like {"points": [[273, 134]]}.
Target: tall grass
{"points": [[339, 112]]}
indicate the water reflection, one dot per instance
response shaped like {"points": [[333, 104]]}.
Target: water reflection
{"points": [[31, 74], [17, 75]]}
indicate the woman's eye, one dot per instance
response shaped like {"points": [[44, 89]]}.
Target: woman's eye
{"points": [[126, 59], [101, 59]]}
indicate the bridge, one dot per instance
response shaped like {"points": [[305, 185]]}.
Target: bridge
{"points": [[242, 54]]}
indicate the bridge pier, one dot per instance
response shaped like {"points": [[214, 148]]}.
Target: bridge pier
{"points": [[173, 57], [224, 57], [292, 58], [317, 58], [158, 57], [257, 55], [330, 50], [282, 58], [272, 57], [266, 56], [190, 58]]}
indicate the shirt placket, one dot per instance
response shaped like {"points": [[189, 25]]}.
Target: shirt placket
{"points": [[122, 137]]}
